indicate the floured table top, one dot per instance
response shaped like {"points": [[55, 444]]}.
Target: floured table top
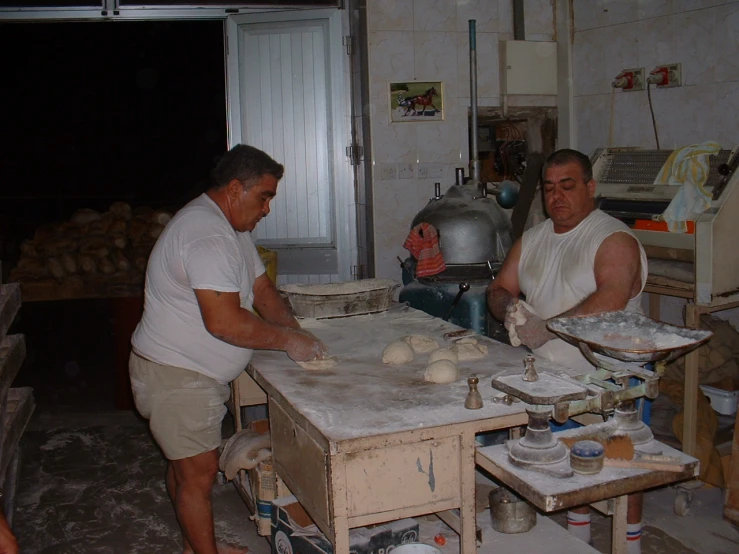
{"points": [[362, 397]]}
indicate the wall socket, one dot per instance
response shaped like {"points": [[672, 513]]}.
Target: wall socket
{"points": [[667, 76], [405, 171]]}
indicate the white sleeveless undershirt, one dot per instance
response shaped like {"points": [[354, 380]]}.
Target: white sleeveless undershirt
{"points": [[557, 271]]}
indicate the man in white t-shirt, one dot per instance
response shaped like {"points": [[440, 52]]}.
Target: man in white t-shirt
{"points": [[580, 261], [198, 330]]}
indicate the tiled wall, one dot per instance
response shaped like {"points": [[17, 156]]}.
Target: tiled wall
{"points": [[427, 40], [611, 35], [703, 35]]}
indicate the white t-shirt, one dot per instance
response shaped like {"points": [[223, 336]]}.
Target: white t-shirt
{"points": [[197, 250], [557, 271]]}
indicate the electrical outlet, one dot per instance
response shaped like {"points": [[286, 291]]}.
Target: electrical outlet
{"points": [[667, 76], [430, 171], [388, 172], [405, 171], [630, 80]]}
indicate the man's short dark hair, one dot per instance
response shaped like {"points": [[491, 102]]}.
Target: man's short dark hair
{"points": [[245, 163], [566, 156]]}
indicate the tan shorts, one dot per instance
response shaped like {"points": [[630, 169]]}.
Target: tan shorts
{"points": [[184, 408]]}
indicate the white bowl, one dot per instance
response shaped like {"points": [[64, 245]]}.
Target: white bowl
{"points": [[415, 548]]}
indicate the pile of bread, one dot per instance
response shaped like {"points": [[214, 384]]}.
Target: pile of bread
{"points": [[118, 241]]}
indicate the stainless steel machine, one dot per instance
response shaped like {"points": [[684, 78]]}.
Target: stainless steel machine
{"points": [[698, 265]]}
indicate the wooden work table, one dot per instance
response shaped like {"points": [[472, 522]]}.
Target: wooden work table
{"points": [[365, 442]]}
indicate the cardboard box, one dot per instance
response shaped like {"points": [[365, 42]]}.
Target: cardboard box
{"points": [[293, 532], [265, 486]]}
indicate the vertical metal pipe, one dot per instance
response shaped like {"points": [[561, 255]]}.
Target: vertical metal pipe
{"points": [[474, 160]]}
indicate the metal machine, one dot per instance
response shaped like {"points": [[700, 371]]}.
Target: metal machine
{"points": [[699, 265], [475, 235], [617, 344]]}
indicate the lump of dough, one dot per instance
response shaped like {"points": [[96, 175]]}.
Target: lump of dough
{"points": [[421, 344], [468, 352], [398, 352], [320, 363], [444, 354], [467, 340], [441, 371]]}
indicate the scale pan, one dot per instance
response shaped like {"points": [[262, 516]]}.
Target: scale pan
{"points": [[628, 336]]}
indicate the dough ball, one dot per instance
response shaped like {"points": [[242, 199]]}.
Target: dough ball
{"points": [[398, 352], [421, 344], [442, 371], [444, 354], [321, 363], [469, 352], [467, 340]]}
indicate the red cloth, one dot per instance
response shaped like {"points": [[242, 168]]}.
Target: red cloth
{"points": [[423, 243]]}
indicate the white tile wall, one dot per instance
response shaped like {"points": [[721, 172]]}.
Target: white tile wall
{"points": [[427, 40], [702, 35]]}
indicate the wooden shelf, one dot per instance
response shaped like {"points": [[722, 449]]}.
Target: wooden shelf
{"points": [[126, 285]]}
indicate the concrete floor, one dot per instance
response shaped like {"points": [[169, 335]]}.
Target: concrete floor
{"points": [[92, 480]]}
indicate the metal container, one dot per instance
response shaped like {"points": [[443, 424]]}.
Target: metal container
{"points": [[472, 229], [510, 514]]}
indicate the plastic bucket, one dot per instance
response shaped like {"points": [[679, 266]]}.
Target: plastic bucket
{"points": [[416, 548]]}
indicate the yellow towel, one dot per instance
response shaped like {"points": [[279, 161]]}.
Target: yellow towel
{"points": [[687, 167]]}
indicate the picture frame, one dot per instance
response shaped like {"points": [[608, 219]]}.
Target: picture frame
{"points": [[414, 101]]}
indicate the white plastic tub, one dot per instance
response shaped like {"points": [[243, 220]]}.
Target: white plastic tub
{"points": [[723, 401], [416, 548]]}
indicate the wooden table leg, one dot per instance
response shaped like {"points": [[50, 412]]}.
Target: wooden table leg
{"points": [[690, 395], [467, 494], [618, 540], [339, 509], [126, 316]]}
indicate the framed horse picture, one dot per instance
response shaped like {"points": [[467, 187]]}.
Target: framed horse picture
{"points": [[414, 101]]}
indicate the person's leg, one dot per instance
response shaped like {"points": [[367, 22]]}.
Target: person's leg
{"points": [[193, 482], [578, 522], [171, 481], [633, 522]]}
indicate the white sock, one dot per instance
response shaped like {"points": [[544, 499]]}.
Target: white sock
{"points": [[633, 536], [579, 525]]}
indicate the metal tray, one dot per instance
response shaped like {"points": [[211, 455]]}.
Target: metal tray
{"points": [[628, 336]]}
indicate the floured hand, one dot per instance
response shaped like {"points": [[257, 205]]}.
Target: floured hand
{"points": [[303, 346], [525, 327]]}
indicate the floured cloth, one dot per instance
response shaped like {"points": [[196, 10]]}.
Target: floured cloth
{"points": [[244, 451], [423, 243], [687, 168]]}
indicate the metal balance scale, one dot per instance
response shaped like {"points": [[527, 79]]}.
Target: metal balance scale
{"points": [[618, 344]]}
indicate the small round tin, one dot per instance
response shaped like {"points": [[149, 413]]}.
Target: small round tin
{"points": [[586, 457]]}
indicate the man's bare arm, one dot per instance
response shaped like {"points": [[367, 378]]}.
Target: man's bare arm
{"points": [[225, 319], [269, 303], [617, 276], [505, 287]]}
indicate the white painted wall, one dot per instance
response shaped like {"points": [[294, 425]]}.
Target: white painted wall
{"points": [[427, 40], [703, 35]]}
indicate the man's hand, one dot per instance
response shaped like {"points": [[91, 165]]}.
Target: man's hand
{"points": [[531, 329], [303, 346]]}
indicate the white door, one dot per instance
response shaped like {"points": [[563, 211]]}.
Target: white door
{"points": [[288, 94]]}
